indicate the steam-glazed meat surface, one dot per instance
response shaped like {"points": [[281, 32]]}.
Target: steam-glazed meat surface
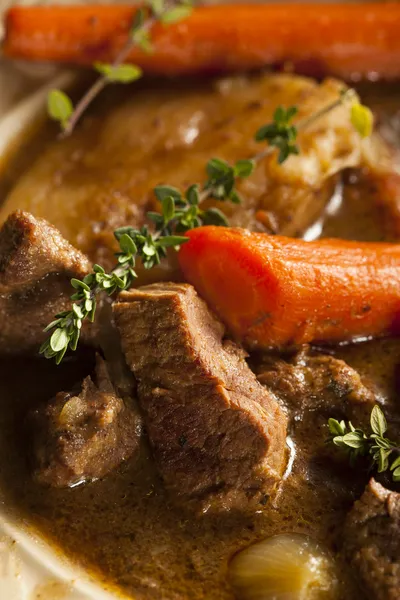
{"points": [[36, 266], [82, 436], [372, 541], [202, 403]]}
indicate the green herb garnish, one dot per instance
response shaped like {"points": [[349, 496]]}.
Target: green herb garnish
{"points": [[120, 73], [176, 14], [362, 119], [356, 442], [59, 107], [281, 133]]}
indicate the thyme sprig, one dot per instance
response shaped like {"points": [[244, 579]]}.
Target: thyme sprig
{"points": [[281, 133], [59, 104], [355, 442], [180, 212]]}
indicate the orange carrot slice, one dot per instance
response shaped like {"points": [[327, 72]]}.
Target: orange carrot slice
{"points": [[348, 40], [274, 291]]}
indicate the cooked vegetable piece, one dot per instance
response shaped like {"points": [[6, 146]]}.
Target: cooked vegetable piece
{"points": [[289, 566], [315, 38], [274, 291]]}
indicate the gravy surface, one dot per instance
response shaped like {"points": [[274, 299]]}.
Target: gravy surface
{"points": [[125, 528]]}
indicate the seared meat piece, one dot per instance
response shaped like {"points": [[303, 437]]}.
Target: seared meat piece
{"points": [[83, 436], [218, 436], [372, 541], [317, 382], [36, 266]]}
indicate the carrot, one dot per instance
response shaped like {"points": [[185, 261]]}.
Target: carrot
{"points": [[275, 291], [347, 40]]}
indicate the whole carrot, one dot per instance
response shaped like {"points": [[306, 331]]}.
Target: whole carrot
{"points": [[348, 40], [274, 291]]}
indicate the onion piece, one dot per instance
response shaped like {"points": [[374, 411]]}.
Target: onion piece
{"points": [[284, 567], [72, 412]]}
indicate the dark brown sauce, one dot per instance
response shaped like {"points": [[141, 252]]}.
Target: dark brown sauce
{"points": [[126, 530]]}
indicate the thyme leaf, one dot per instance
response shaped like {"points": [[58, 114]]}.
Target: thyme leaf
{"points": [[281, 133], [175, 14], [356, 442], [361, 119], [59, 107], [120, 73]]}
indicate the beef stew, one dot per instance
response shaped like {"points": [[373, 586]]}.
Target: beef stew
{"points": [[223, 448]]}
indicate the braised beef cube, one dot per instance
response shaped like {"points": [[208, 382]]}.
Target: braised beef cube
{"points": [[317, 382], [36, 266], [81, 437], [372, 542], [218, 436]]}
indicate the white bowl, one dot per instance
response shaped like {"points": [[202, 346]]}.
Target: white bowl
{"points": [[29, 567]]}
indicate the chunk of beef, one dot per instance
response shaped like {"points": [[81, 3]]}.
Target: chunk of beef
{"points": [[36, 266], [85, 435], [319, 382], [372, 541], [218, 436]]}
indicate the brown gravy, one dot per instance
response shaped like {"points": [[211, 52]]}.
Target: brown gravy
{"points": [[125, 528]]}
